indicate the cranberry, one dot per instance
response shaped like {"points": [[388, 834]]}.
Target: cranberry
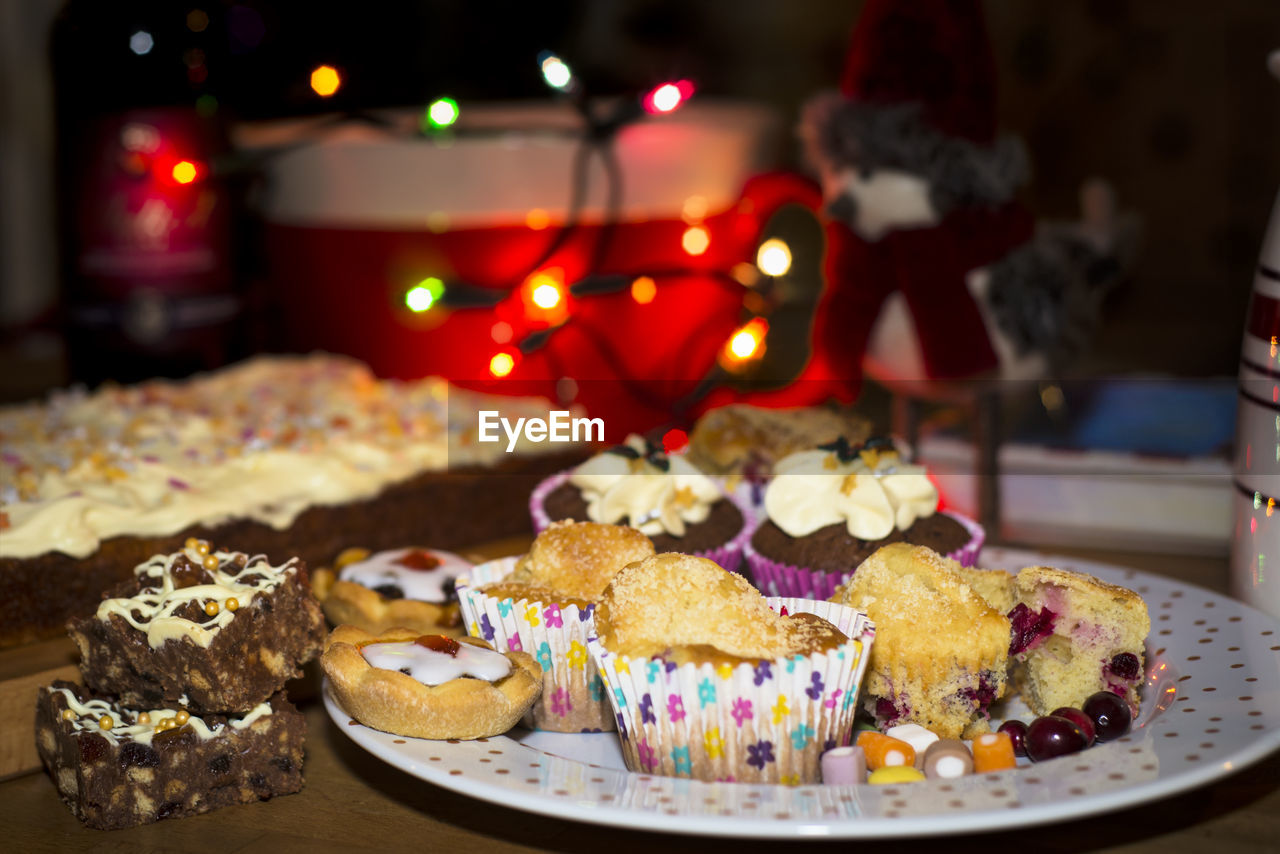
{"points": [[1110, 715], [1017, 732], [886, 712], [1126, 666], [1028, 627], [1053, 736], [1078, 718]]}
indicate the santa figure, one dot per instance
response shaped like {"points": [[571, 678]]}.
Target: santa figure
{"points": [[934, 270]]}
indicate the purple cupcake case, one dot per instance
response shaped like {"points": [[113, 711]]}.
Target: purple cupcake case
{"points": [[728, 555], [776, 578]]}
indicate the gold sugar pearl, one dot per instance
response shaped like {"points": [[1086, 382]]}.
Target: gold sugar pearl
{"points": [[202, 547], [211, 608], [210, 562], [68, 715], [190, 543], [105, 722], [232, 603], [144, 718], [182, 717]]}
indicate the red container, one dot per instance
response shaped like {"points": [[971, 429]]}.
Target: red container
{"points": [[356, 216]]}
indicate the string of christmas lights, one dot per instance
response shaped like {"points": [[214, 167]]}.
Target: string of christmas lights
{"points": [[543, 296]]}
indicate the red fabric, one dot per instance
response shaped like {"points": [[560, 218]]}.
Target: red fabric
{"points": [[934, 53]]}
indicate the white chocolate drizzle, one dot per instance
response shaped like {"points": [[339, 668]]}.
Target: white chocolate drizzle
{"points": [[435, 668], [426, 585], [872, 493], [617, 487], [153, 609], [128, 727]]}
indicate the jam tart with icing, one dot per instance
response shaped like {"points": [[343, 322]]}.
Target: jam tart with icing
{"points": [[429, 686], [400, 588]]}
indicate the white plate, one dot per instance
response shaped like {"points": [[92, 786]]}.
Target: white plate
{"points": [[1211, 706]]}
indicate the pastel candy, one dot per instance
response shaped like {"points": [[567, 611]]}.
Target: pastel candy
{"points": [[894, 774], [844, 765], [993, 751], [916, 736], [946, 759], [883, 751]]}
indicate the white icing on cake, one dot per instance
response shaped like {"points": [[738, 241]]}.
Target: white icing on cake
{"points": [[262, 440], [388, 567], [153, 609], [618, 487], [141, 726], [872, 493], [431, 667]]}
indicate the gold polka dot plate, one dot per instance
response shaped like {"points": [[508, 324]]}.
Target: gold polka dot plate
{"points": [[1210, 706]]}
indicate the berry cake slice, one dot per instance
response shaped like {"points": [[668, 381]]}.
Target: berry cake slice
{"points": [[1072, 636], [117, 767]]}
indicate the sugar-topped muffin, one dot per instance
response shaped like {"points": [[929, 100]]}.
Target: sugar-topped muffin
{"points": [[1074, 635], [941, 650], [994, 585], [674, 604], [543, 603], [712, 681], [573, 562]]}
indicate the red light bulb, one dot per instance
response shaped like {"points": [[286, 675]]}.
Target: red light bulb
{"points": [[668, 97]]}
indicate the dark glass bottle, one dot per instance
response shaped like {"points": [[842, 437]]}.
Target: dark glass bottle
{"points": [[144, 217]]}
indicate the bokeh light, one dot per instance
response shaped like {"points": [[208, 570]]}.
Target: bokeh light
{"points": [[502, 364], [184, 171], [141, 42], [643, 290], [425, 294], [442, 112], [773, 257], [325, 80], [668, 97], [555, 71], [546, 295], [745, 344], [695, 240]]}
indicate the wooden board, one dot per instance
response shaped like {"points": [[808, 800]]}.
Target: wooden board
{"points": [[24, 669]]}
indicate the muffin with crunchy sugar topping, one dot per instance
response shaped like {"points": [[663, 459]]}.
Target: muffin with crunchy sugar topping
{"points": [[713, 681], [543, 603], [941, 651]]}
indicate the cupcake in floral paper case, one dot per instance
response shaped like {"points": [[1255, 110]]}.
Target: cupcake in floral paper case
{"points": [[543, 603], [712, 681], [829, 509], [678, 507]]}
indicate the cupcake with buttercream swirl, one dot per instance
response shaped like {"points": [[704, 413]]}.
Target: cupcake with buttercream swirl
{"points": [[828, 509], [663, 495]]}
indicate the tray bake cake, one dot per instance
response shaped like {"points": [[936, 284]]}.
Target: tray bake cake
{"points": [[119, 767], [289, 455], [211, 630]]}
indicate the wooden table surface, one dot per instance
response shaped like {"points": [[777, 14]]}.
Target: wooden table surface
{"points": [[354, 802]]}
